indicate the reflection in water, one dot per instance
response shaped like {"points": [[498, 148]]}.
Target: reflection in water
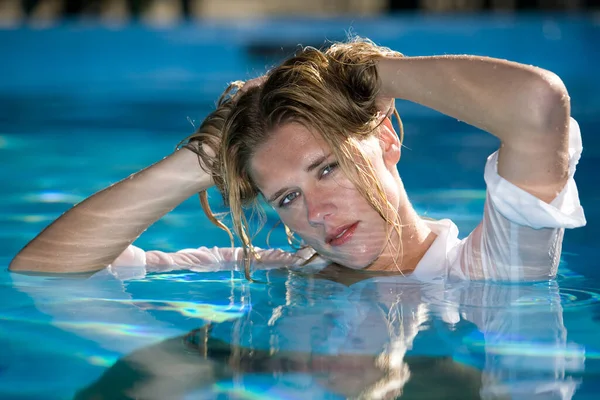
{"points": [[364, 336]]}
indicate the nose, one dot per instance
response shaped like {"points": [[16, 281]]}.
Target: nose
{"points": [[319, 207]]}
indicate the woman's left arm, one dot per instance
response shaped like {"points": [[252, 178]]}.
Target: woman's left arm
{"points": [[527, 108]]}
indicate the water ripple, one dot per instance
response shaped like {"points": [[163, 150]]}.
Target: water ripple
{"points": [[571, 298]]}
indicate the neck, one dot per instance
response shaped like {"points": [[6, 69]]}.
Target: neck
{"points": [[415, 240]]}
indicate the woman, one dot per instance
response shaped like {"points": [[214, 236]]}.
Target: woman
{"points": [[316, 141]]}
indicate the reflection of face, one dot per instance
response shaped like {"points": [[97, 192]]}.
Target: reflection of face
{"points": [[300, 178]]}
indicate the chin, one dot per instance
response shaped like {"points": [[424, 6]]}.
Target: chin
{"points": [[356, 258], [358, 263]]}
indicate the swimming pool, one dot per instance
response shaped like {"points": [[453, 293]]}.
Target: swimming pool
{"points": [[82, 107]]}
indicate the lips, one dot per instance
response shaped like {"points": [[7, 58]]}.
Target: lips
{"points": [[341, 235]]}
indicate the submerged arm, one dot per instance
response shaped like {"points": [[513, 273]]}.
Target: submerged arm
{"points": [[96, 231], [527, 108]]}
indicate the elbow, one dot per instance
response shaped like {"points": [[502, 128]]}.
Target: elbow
{"points": [[25, 264], [22, 263], [18, 265], [550, 104]]}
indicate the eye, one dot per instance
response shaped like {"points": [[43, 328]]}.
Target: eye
{"points": [[288, 198], [328, 169]]}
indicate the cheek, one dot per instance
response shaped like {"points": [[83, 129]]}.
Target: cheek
{"points": [[294, 219]]}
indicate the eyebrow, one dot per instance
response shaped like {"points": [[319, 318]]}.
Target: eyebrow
{"points": [[312, 166]]}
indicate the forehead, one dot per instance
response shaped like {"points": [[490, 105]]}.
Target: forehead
{"points": [[290, 148]]}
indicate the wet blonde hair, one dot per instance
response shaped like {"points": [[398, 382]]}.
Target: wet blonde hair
{"points": [[332, 92]]}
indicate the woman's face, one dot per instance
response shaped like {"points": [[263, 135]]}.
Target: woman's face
{"points": [[300, 178]]}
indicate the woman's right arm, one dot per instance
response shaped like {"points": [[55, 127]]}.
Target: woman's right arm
{"points": [[93, 233]]}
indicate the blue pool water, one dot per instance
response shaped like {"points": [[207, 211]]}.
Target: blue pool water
{"points": [[82, 107]]}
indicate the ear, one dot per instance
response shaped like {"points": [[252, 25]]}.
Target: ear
{"points": [[390, 143]]}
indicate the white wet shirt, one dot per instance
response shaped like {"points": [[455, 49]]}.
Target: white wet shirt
{"points": [[519, 238]]}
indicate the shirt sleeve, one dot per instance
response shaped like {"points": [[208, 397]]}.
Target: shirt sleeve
{"points": [[520, 236], [134, 262]]}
